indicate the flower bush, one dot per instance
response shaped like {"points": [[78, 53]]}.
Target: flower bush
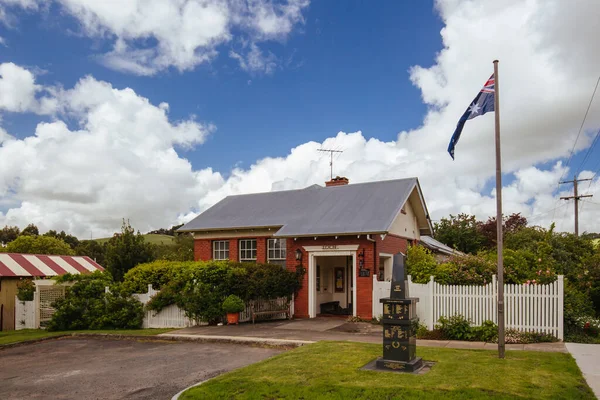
{"points": [[459, 328]]}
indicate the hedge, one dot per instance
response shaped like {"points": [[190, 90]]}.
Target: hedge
{"points": [[199, 288]]}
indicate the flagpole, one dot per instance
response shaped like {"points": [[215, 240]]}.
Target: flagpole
{"points": [[499, 215]]}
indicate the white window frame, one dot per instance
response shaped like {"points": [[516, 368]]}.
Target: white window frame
{"points": [[224, 251], [279, 253], [244, 251]]}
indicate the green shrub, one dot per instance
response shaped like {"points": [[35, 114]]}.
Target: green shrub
{"points": [[422, 333], [487, 332], [86, 305], [233, 304], [25, 289], [200, 288], [420, 264], [157, 273], [456, 327]]}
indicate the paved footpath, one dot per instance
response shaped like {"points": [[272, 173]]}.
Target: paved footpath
{"points": [[304, 331], [587, 357]]}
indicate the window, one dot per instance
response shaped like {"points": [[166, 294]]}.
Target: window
{"points": [[221, 250], [247, 249], [276, 252], [318, 278]]}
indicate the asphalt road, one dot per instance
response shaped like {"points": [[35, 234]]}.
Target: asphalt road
{"points": [[115, 369]]}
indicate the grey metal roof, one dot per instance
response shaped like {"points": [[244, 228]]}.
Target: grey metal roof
{"points": [[357, 208], [438, 246]]}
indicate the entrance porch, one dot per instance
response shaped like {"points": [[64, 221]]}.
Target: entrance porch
{"points": [[331, 276]]}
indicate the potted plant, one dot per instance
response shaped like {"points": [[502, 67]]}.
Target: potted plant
{"points": [[233, 305]]}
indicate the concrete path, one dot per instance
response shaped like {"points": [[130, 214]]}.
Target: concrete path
{"points": [[299, 332], [587, 357]]}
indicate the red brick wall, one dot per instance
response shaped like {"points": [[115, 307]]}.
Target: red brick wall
{"points": [[202, 249], [364, 285], [301, 298], [234, 254], [392, 244], [261, 250]]}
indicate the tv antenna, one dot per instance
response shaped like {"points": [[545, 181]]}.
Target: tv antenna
{"points": [[330, 151]]}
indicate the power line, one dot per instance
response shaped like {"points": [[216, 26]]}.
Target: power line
{"points": [[578, 134], [535, 216], [582, 124], [591, 202], [576, 197], [587, 154]]}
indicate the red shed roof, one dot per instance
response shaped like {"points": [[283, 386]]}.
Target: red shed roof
{"points": [[39, 265]]}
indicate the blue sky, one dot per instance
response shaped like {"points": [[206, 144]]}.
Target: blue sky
{"points": [[339, 78], [379, 68]]}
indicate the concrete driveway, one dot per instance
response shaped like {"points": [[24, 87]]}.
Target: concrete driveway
{"points": [[115, 369]]}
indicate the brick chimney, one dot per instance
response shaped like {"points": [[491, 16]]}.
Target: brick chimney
{"points": [[337, 181]]}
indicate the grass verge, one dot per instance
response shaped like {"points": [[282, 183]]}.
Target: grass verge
{"points": [[10, 337], [331, 370]]}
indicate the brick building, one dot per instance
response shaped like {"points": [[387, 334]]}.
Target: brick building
{"points": [[342, 234]]}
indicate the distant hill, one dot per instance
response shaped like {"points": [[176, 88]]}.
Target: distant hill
{"points": [[150, 237]]}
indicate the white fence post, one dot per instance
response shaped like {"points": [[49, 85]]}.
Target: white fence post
{"points": [[561, 305], [430, 299]]}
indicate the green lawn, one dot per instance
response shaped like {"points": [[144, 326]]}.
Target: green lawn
{"points": [[33, 334], [330, 370], [150, 238]]}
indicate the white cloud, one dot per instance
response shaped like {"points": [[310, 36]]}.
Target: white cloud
{"points": [[546, 82], [122, 161], [256, 61], [149, 36], [17, 88]]}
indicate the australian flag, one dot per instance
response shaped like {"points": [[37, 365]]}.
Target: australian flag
{"points": [[484, 102]]}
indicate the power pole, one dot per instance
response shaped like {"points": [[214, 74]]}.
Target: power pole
{"points": [[576, 196], [330, 151]]}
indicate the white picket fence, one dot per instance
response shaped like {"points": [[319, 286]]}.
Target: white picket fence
{"points": [[169, 317], [173, 317], [536, 308]]}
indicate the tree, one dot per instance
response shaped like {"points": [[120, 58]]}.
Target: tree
{"points": [[182, 249], [69, 239], [125, 250], [163, 231], [9, 233], [460, 232], [92, 249], [31, 230], [511, 224], [39, 245]]}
